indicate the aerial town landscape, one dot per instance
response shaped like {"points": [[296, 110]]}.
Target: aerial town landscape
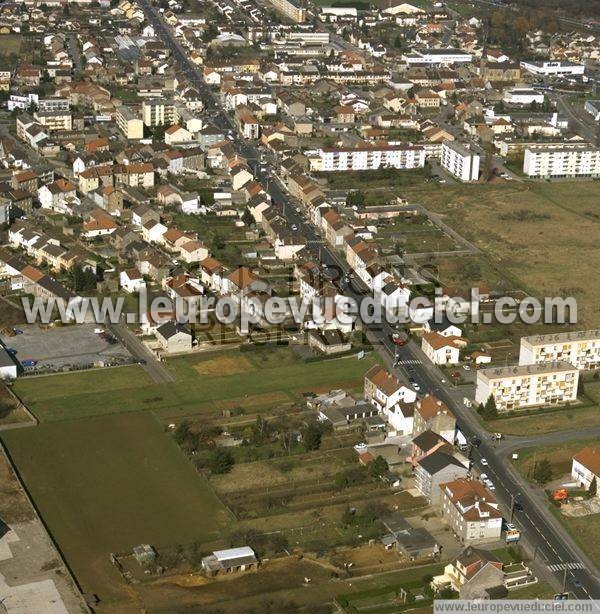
{"points": [[298, 304]]}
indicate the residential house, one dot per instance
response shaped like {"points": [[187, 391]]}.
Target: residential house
{"points": [[435, 469], [586, 467], [471, 511], [433, 414]]}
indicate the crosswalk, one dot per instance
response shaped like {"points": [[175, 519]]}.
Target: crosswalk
{"points": [[565, 566], [409, 362]]}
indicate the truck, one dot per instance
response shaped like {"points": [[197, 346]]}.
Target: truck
{"points": [[512, 534]]}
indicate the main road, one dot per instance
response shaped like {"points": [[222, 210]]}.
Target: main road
{"points": [[547, 538]]}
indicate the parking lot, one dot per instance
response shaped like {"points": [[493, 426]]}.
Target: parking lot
{"points": [[74, 347]]}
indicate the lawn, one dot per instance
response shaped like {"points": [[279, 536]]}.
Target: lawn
{"points": [[584, 530], [548, 421], [10, 44], [560, 457], [105, 484], [534, 232], [385, 179], [207, 382]]}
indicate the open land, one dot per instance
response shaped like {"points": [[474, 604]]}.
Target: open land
{"points": [[106, 484], [275, 374]]}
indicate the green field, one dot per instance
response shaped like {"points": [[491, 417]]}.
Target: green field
{"points": [[10, 44], [106, 484], [204, 383]]}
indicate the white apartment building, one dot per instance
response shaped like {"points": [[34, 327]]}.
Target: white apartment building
{"points": [[292, 9], [547, 163], [309, 37], [580, 349], [130, 123], [159, 113], [523, 96], [438, 56], [593, 108], [460, 161], [553, 68], [53, 104], [519, 387], [366, 158], [471, 511]]}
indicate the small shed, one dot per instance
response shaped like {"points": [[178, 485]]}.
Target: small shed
{"points": [[144, 554]]}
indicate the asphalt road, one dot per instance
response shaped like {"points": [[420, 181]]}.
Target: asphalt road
{"points": [[157, 371], [545, 535]]}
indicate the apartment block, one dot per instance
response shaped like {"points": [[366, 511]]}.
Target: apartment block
{"points": [[159, 112], [55, 121], [460, 161], [520, 387], [471, 511], [366, 158], [130, 123], [547, 163], [438, 56], [580, 349], [292, 9]]}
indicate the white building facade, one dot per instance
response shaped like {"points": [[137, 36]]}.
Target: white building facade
{"points": [[520, 387]]}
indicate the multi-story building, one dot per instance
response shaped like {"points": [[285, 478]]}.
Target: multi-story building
{"points": [[384, 390], [438, 56], [293, 9], [130, 123], [471, 511], [55, 121], [53, 104], [593, 108], [519, 387], [553, 67], [436, 469], [460, 161], [580, 349], [368, 157], [157, 112], [434, 415], [547, 163]]}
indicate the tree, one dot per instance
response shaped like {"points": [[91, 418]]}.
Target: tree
{"points": [[311, 436], [499, 107], [279, 542], [247, 217], [181, 433], [220, 461], [542, 472], [593, 489], [82, 279], [355, 199], [490, 410], [348, 516], [378, 467]]}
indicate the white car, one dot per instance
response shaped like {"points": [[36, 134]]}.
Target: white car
{"points": [[483, 477], [360, 447], [484, 462], [467, 367]]}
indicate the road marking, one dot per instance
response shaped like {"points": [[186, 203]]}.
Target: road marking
{"points": [[409, 361], [565, 566]]}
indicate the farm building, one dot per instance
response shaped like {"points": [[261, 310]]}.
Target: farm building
{"points": [[233, 559]]}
